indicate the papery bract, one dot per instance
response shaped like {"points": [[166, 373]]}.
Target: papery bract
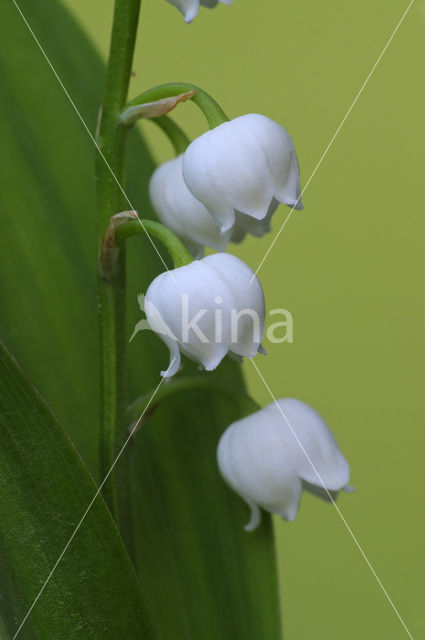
{"points": [[181, 212], [189, 8], [245, 165], [268, 466], [207, 309]]}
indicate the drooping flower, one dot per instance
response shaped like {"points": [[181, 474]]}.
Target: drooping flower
{"points": [[247, 165], [189, 8], [207, 309], [269, 457], [181, 212]]}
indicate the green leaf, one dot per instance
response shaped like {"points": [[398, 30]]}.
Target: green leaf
{"points": [[47, 206], [44, 492]]}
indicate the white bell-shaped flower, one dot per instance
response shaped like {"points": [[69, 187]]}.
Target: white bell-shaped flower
{"points": [[246, 165], [189, 8], [269, 457], [181, 212], [207, 309]]}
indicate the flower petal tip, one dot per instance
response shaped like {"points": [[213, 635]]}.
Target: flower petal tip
{"points": [[255, 519], [349, 489], [175, 361]]}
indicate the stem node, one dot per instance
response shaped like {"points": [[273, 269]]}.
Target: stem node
{"points": [[109, 250]]}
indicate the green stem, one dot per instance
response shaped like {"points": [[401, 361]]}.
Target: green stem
{"points": [[245, 403], [212, 111], [111, 292], [174, 133], [178, 252]]}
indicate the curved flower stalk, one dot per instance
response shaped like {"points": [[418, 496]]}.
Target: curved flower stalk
{"points": [[181, 212], [268, 463], [246, 165], [206, 310], [189, 8]]}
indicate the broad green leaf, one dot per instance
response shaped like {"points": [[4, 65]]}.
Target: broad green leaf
{"points": [[201, 574], [44, 492], [47, 204]]}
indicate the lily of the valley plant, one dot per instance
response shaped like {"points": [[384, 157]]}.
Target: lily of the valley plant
{"points": [[184, 451]]}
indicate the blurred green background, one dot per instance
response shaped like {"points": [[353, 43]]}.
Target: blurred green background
{"points": [[349, 268]]}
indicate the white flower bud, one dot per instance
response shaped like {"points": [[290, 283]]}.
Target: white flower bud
{"points": [[181, 212], [207, 309], [245, 166], [268, 463], [189, 8]]}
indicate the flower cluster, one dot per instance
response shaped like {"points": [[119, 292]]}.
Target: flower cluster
{"points": [[228, 183]]}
